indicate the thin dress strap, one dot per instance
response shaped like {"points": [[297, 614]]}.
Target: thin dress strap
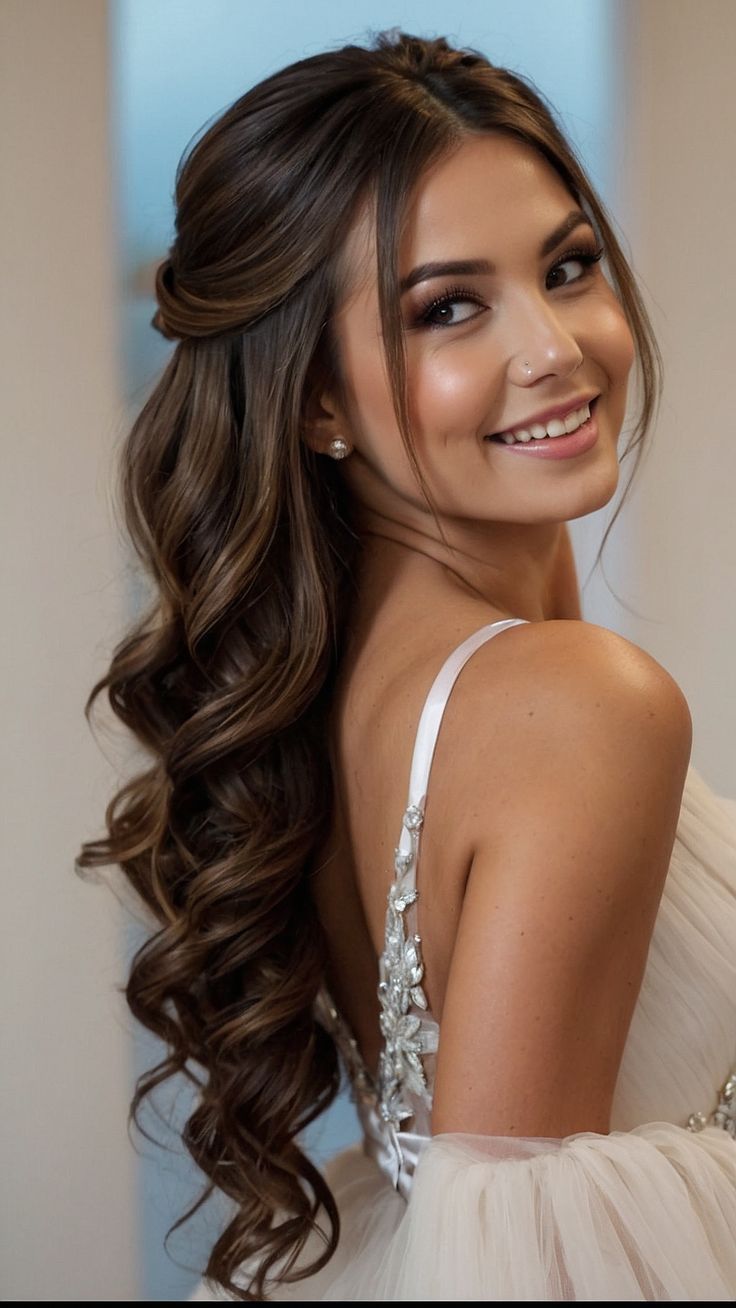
{"points": [[410, 1032], [428, 731]]}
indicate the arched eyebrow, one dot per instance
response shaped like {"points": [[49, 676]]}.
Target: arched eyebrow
{"points": [[475, 267]]}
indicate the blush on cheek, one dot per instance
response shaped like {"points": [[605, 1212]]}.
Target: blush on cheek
{"points": [[627, 349], [617, 344]]}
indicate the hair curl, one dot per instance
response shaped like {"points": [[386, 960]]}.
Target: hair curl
{"points": [[246, 534]]}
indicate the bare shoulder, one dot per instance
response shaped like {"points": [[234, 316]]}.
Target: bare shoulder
{"points": [[576, 750], [541, 696], [565, 650]]}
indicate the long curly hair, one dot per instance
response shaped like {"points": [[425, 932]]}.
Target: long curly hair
{"points": [[246, 536]]}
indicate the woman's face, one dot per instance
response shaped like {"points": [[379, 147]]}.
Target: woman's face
{"points": [[508, 323]]}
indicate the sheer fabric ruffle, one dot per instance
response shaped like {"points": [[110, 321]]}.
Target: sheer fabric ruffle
{"points": [[642, 1215], [681, 1044]]}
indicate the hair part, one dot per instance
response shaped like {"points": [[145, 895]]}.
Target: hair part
{"points": [[247, 537]]}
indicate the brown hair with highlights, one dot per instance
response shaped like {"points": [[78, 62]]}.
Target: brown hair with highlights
{"points": [[245, 534]]}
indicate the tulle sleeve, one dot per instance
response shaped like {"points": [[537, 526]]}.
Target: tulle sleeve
{"points": [[648, 1214], [641, 1215]]}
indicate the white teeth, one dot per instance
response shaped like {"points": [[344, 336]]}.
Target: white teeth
{"points": [[555, 427]]}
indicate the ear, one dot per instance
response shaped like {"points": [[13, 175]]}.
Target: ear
{"points": [[324, 420]]}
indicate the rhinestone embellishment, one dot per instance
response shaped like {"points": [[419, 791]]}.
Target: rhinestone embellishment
{"points": [[400, 1068], [402, 862], [361, 1083], [413, 818], [724, 1114]]}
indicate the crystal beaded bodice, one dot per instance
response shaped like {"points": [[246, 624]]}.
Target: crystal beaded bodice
{"points": [[401, 1093]]}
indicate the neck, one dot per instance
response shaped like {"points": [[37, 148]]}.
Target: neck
{"points": [[522, 570]]}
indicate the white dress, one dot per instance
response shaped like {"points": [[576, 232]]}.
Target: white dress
{"points": [[646, 1212]]}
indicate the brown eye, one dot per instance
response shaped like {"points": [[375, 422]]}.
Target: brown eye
{"points": [[569, 271], [572, 268], [450, 309]]}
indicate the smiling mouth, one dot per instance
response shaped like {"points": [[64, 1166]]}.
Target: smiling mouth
{"points": [[550, 430]]}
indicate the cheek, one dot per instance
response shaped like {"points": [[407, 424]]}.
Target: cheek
{"points": [[453, 384], [613, 346], [367, 388]]}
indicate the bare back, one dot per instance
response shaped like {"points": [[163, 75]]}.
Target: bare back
{"points": [[390, 665], [384, 681]]}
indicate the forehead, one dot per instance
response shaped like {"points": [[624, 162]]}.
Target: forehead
{"points": [[489, 197]]}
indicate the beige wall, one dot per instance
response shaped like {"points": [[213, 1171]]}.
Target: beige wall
{"points": [[685, 172], [674, 559], [67, 1174]]}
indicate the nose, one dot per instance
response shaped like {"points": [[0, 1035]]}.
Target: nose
{"points": [[541, 344]]}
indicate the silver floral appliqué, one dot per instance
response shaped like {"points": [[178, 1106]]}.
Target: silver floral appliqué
{"points": [[400, 1068]]}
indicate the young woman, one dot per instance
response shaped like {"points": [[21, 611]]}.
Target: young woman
{"points": [[405, 332]]}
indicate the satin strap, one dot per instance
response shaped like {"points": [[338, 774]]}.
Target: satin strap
{"points": [[431, 719]]}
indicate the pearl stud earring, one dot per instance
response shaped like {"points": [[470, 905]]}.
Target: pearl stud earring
{"points": [[338, 448]]}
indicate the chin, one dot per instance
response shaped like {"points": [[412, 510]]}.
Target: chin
{"points": [[586, 494], [597, 493]]}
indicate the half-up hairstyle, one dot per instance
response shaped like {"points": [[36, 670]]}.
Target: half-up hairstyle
{"points": [[246, 536]]}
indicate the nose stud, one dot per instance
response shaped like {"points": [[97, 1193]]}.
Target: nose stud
{"points": [[527, 367]]}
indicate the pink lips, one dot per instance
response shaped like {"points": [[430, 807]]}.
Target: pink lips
{"points": [[557, 447]]}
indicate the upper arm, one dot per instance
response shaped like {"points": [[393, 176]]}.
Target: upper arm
{"points": [[576, 795]]}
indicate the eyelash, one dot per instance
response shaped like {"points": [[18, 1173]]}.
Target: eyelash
{"points": [[450, 296], [587, 257]]}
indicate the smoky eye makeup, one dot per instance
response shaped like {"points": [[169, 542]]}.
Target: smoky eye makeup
{"points": [[448, 307], [586, 255], [458, 303]]}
